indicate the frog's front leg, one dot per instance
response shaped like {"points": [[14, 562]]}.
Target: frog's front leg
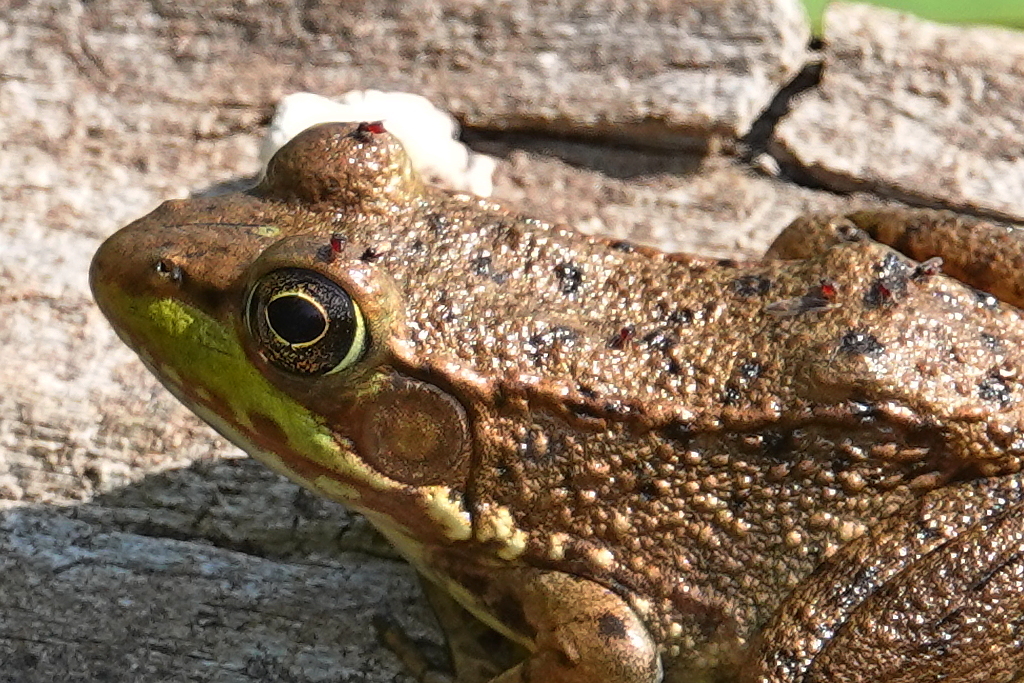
{"points": [[935, 592], [582, 632], [985, 255]]}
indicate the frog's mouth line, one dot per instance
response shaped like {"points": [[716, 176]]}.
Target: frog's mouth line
{"points": [[201, 362], [352, 484]]}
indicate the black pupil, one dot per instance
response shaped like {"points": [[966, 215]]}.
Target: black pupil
{"points": [[295, 319]]}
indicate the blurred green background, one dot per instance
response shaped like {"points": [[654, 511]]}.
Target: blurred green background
{"points": [[998, 12]]}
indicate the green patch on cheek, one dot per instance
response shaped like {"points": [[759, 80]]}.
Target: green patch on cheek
{"points": [[171, 317], [194, 351]]}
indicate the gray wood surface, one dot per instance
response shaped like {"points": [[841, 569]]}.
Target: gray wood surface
{"points": [[924, 113], [134, 544]]}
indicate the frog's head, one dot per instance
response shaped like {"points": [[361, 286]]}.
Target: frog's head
{"points": [[263, 314]]}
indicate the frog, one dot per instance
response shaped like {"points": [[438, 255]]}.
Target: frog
{"points": [[638, 466]]}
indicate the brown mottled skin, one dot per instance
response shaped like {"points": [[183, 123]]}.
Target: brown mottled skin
{"points": [[794, 470]]}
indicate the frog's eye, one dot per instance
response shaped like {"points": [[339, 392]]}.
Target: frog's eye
{"points": [[304, 323]]}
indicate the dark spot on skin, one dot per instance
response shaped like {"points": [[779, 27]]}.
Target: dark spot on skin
{"points": [[503, 472], [570, 277], [985, 299], [994, 388], [481, 265], [646, 489], [679, 432], [727, 263], [979, 584], [750, 370], [660, 340], [748, 286], [891, 266], [737, 500], [370, 255], [731, 396], [549, 344], [437, 222], [673, 367], [623, 246], [776, 447], [611, 626], [587, 392], [416, 246], [991, 341], [862, 343], [864, 580], [842, 463], [622, 337], [891, 284], [681, 316], [444, 308], [939, 649], [639, 477]]}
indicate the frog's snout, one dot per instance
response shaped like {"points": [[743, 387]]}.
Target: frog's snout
{"points": [[111, 271]]}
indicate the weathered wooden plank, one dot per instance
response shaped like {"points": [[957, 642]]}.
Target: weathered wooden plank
{"points": [[674, 72], [83, 603], [915, 111], [107, 109]]}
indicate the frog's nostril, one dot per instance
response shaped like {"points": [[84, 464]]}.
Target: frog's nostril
{"points": [[170, 270]]}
